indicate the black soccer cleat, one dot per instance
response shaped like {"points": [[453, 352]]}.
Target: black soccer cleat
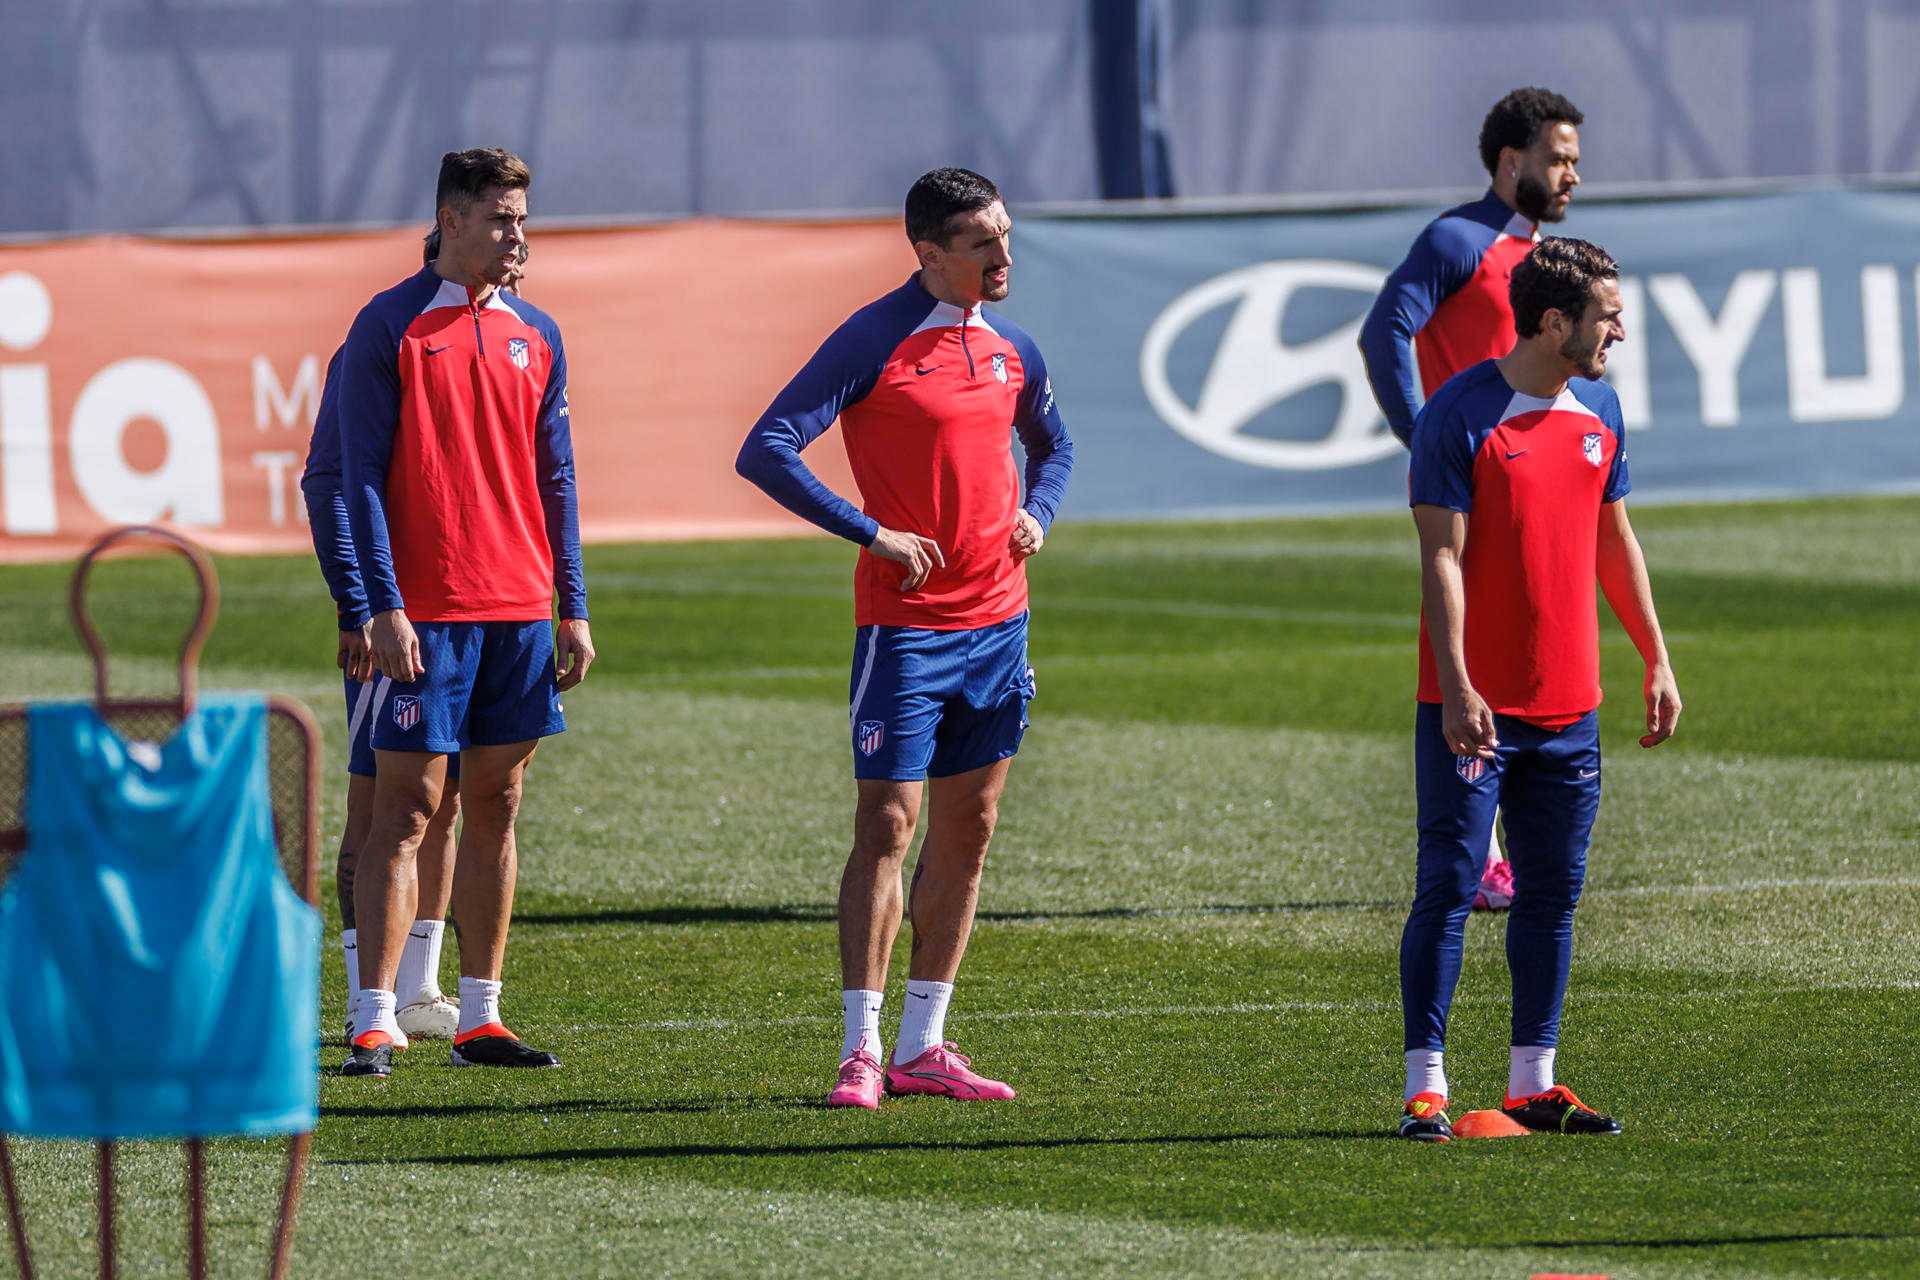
{"points": [[1558, 1111], [374, 1060], [495, 1046], [1425, 1119]]}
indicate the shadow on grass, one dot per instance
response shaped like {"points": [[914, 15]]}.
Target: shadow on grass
{"points": [[567, 1106], [826, 914], [1689, 1242], [711, 1150]]}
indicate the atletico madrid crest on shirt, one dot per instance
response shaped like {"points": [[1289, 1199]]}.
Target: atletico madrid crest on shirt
{"points": [[1470, 768], [517, 352], [406, 711], [1590, 445], [1000, 367], [872, 734]]}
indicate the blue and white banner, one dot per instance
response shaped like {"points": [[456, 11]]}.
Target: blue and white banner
{"points": [[1209, 364]]}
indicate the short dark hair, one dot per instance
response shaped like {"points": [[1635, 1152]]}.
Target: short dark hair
{"points": [[1558, 274], [938, 196], [430, 247], [465, 174], [1516, 120]]}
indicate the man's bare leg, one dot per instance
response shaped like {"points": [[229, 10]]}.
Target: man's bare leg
{"points": [[406, 792], [483, 882], [884, 818], [961, 813], [425, 1012], [359, 818]]}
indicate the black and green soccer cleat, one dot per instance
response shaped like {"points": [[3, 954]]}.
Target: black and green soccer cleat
{"points": [[1558, 1111], [1425, 1119]]}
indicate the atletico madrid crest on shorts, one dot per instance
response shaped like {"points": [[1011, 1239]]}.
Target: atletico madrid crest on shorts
{"points": [[1590, 445], [517, 352], [406, 711], [1470, 768], [872, 734]]}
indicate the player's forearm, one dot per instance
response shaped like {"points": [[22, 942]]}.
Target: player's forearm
{"points": [[1047, 474], [560, 506], [1629, 591], [1387, 355], [333, 546], [1443, 600], [781, 475], [366, 503]]}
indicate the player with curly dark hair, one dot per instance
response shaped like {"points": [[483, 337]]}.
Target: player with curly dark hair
{"points": [[1451, 292]]}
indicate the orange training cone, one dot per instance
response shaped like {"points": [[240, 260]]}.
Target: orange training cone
{"points": [[1488, 1124]]}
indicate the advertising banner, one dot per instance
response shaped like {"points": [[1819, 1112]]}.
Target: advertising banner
{"points": [[1209, 365], [146, 380], [1204, 364]]}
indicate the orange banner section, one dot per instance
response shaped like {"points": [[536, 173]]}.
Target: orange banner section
{"points": [[147, 381]]}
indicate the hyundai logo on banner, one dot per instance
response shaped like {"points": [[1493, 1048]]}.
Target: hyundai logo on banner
{"points": [[1253, 368]]}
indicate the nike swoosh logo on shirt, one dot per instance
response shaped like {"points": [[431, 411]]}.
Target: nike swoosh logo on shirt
{"points": [[924, 372], [1589, 773], [434, 351], [1514, 454]]}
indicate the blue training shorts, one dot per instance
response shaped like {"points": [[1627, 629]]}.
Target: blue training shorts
{"points": [[487, 684], [937, 703], [364, 702]]}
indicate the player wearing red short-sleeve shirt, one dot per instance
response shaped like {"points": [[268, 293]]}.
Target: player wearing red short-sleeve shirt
{"points": [[1518, 490]]}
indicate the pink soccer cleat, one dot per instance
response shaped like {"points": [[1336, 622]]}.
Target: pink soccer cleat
{"points": [[946, 1074], [1496, 887], [859, 1084]]}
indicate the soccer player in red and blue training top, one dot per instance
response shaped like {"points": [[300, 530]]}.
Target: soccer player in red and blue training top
{"points": [[930, 388], [1518, 489], [458, 462], [1448, 300], [425, 1012]]}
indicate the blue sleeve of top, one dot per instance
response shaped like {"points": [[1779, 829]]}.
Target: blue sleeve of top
{"points": [[1618, 485], [842, 371], [1441, 473], [1441, 260], [320, 484], [1043, 436], [369, 416], [559, 498]]}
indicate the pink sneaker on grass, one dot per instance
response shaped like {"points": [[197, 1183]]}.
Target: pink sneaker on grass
{"points": [[1496, 887], [859, 1084], [946, 1074]]}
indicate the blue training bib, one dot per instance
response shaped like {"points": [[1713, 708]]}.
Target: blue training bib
{"points": [[158, 975]]}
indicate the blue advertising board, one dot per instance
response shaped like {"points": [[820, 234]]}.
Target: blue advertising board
{"points": [[1209, 364]]}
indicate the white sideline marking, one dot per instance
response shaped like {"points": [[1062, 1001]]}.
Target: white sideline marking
{"points": [[1231, 1010]]}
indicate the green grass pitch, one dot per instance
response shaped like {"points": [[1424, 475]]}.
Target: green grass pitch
{"points": [[1186, 953]]}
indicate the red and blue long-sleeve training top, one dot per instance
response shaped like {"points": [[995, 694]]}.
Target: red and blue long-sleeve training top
{"points": [[458, 456], [1451, 294], [1531, 476], [321, 485], [925, 393]]}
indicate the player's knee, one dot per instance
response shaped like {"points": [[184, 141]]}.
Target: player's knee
{"points": [[494, 807], [972, 829], [883, 831]]}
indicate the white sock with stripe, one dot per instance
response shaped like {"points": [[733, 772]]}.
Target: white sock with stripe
{"points": [[419, 975], [350, 952], [862, 1013], [479, 1003], [923, 1019], [1529, 1070]]}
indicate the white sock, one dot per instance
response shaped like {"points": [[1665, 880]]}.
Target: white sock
{"points": [[923, 1020], [1529, 1070], [862, 1010], [419, 975], [479, 1003], [1493, 843], [350, 950], [1426, 1073], [373, 1011]]}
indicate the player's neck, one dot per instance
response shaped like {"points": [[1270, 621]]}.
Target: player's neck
{"points": [[1534, 370], [943, 292], [1508, 190], [482, 287]]}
